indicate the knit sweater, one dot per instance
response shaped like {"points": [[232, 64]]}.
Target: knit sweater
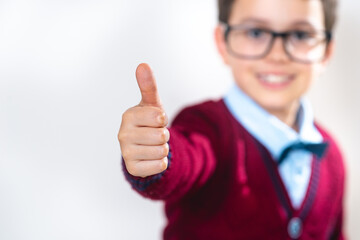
{"points": [[221, 183]]}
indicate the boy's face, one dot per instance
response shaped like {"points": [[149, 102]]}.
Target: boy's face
{"points": [[275, 81]]}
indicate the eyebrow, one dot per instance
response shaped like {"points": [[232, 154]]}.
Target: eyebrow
{"points": [[304, 23], [255, 20], [266, 23]]}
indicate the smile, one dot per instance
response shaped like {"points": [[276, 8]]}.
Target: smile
{"points": [[275, 80]]}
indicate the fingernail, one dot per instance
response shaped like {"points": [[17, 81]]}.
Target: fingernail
{"points": [[161, 118]]}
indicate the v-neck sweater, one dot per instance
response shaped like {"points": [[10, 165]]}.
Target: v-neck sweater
{"points": [[219, 183], [295, 171]]}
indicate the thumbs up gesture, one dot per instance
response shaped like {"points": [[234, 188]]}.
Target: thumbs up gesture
{"points": [[143, 135]]}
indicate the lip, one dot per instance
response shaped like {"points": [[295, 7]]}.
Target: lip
{"points": [[275, 85]]}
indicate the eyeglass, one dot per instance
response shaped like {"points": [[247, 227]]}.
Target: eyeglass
{"points": [[255, 43]]}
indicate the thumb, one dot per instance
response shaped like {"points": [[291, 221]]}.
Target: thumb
{"points": [[147, 85]]}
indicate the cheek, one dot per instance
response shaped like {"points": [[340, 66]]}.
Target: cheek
{"points": [[318, 70], [311, 72], [242, 69]]}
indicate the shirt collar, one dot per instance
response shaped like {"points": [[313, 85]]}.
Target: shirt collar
{"points": [[268, 129]]}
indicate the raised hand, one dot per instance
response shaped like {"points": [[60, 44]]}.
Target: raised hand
{"points": [[143, 135]]}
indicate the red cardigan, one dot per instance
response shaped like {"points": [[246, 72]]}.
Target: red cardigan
{"points": [[222, 184]]}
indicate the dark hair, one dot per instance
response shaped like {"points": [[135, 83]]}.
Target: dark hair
{"points": [[329, 8]]}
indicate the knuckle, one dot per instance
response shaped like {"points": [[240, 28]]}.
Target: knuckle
{"points": [[167, 135], [164, 150], [132, 169], [163, 164], [128, 115], [163, 134], [166, 120], [121, 136], [161, 117], [125, 116], [127, 154]]}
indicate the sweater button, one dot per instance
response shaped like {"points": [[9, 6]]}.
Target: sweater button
{"points": [[295, 228]]}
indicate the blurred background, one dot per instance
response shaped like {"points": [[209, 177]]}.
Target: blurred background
{"points": [[67, 75]]}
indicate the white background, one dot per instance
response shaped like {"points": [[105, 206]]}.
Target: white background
{"points": [[67, 75]]}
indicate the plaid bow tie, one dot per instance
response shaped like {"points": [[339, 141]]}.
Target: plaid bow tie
{"points": [[316, 148]]}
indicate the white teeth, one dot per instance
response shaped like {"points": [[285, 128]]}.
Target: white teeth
{"points": [[274, 78]]}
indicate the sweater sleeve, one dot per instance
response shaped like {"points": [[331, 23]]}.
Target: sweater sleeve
{"points": [[192, 158], [338, 231]]}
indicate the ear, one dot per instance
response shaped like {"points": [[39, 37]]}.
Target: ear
{"points": [[329, 52], [221, 43]]}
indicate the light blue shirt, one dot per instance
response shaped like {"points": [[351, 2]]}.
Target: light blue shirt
{"points": [[275, 135]]}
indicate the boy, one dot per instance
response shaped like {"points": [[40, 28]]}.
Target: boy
{"points": [[252, 165]]}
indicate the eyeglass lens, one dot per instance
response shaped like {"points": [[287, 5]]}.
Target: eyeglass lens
{"points": [[256, 43]]}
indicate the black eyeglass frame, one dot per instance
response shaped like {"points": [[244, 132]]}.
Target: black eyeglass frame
{"points": [[274, 35]]}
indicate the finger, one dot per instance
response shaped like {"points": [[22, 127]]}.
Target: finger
{"points": [[147, 85], [147, 168], [146, 116], [149, 136], [142, 152]]}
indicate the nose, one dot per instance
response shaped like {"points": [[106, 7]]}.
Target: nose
{"points": [[277, 51]]}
